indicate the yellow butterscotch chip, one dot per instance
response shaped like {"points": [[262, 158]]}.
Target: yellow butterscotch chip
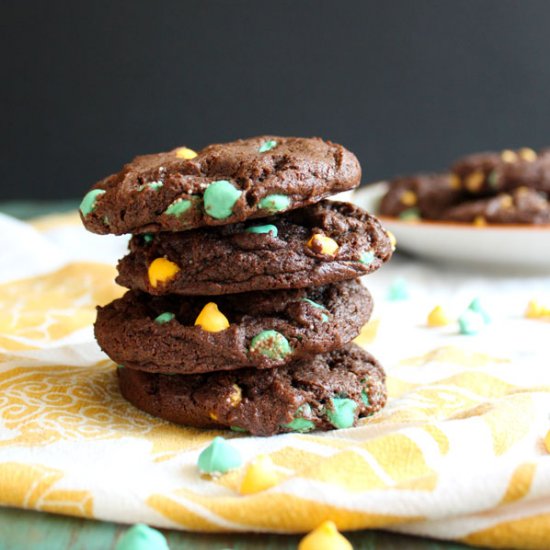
{"points": [[438, 317], [474, 181], [480, 221], [236, 395], [185, 153], [392, 239], [162, 270], [211, 319], [536, 310], [533, 310], [527, 154], [508, 156], [455, 182], [408, 198], [259, 476], [506, 201], [327, 245], [213, 416], [325, 537]]}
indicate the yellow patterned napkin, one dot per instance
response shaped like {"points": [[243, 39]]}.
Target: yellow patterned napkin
{"points": [[457, 454]]}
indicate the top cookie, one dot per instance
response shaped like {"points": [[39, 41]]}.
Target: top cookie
{"points": [[490, 173], [221, 184]]}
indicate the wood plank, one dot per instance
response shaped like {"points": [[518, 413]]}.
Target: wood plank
{"points": [[29, 530]]}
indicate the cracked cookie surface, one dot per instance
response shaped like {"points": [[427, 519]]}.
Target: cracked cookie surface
{"points": [[274, 254], [223, 183], [263, 329]]}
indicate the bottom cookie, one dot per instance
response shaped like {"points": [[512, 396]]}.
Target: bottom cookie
{"points": [[325, 392], [521, 206], [425, 196]]}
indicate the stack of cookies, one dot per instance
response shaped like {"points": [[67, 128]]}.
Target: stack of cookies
{"points": [[244, 293], [506, 187]]}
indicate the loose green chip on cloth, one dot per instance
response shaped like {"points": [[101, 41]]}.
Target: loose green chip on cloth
{"points": [[458, 453]]}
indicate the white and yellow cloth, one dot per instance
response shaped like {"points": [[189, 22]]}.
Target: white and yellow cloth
{"points": [[458, 453]]}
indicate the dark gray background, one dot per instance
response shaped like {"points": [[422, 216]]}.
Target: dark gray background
{"points": [[408, 85]]}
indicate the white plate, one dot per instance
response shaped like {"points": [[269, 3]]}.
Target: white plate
{"points": [[506, 247]]}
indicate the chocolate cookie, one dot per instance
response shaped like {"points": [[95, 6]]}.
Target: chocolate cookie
{"points": [[221, 184], [523, 205], [421, 196], [254, 329], [490, 173], [283, 251], [322, 393]]}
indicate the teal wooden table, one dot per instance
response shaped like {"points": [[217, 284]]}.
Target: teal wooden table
{"points": [[28, 530], [24, 530]]}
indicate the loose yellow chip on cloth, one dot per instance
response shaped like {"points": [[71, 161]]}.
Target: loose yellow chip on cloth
{"points": [[458, 453]]}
